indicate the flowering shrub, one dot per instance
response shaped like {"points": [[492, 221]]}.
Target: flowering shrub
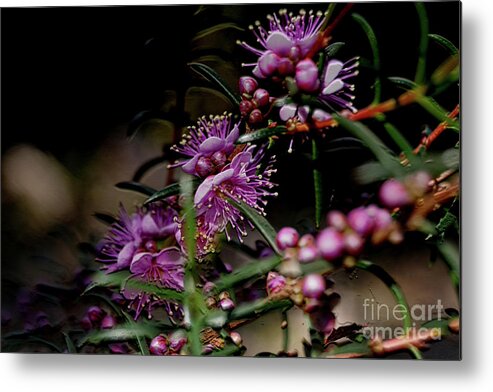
{"points": [[170, 290]]}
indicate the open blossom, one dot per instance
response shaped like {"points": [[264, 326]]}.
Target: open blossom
{"points": [[207, 145], [333, 89], [243, 180], [136, 233], [288, 39]]}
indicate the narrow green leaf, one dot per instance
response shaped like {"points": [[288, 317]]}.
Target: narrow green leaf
{"points": [[370, 172], [423, 43], [214, 29], [120, 334], [451, 256], [404, 83], [144, 350], [332, 49], [317, 184], [213, 77], [444, 42], [402, 143], [136, 187], [170, 190], [317, 267], [70, 345], [381, 152], [357, 348], [105, 218], [261, 134], [258, 307], [254, 269], [259, 222], [376, 55]]}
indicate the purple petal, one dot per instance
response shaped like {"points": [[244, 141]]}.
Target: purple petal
{"points": [[321, 115], [332, 70], [258, 73], [279, 43], [125, 255], [141, 263], [235, 133], [268, 63], [149, 226], [241, 158], [306, 44], [303, 113], [169, 256], [189, 167], [288, 111], [333, 87], [211, 145], [223, 176], [203, 189]]}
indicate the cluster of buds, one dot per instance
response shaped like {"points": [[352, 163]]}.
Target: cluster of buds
{"points": [[312, 293], [396, 193], [96, 317], [345, 235], [222, 301], [168, 344], [254, 100]]}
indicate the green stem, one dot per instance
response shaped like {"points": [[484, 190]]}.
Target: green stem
{"points": [[317, 183]]}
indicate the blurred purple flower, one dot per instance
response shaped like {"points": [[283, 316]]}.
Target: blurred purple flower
{"points": [[136, 233], [207, 145], [289, 38]]}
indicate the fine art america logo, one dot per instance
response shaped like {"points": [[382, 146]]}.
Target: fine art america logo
{"points": [[380, 313]]}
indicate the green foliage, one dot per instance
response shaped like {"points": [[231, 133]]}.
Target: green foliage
{"points": [[261, 134], [136, 187]]}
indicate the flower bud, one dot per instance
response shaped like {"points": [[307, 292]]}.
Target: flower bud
{"points": [[204, 167], [95, 314], [307, 76], [394, 194], [337, 220], [419, 183], [307, 254], [261, 97], [226, 304], [381, 218], [295, 53], [245, 107], [313, 286], [255, 116], [275, 283], [306, 240], [159, 345], [360, 221], [330, 243], [287, 237], [236, 338], [108, 322], [247, 85], [150, 246], [176, 341], [268, 63], [218, 158], [86, 323], [353, 243], [208, 287]]}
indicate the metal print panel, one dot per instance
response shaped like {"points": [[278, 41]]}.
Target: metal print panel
{"points": [[232, 180]]}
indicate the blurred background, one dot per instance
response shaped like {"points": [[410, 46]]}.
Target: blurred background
{"points": [[73, 80]]}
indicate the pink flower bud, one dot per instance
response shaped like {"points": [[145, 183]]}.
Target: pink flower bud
{"points": [[236, 338], [419, 183], [159, 345], [86, 323], [204, 167], [95, 314], [226, 304], [307, 254], [261, 97], [313, 286], [275, 283], [268, 63], [247, 85], [381, 217], [245, 107], [337, 220], [394, 194], [287, 237], [353, 243], [255, 116], [150, 246], [360, 221], [108, 322], [306, 240], [307, 76], [176, 341], [330, 243], [295, 53], [218, 158], [285, 67]]}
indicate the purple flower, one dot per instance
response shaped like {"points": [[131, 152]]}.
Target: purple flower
{"points": [[207, 145], [136, 233], [334, 90], [288, 39], [243, 180]]}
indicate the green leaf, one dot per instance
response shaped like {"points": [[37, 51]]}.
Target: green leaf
{"points": [[317, 267], [381, 152], [170, 190], [444, 42], [376, 55], [213, 77], [121, 333], [105, 218], [254, 269], [144, 350], [136, 187], [402, 143], [214, 29], [370, 172], [451, 256], [258, 307], [404, 83], [70, 345], [259, 222], [332, 49], [423, 43], [357, 348], [317, 184], [261, 134]]}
